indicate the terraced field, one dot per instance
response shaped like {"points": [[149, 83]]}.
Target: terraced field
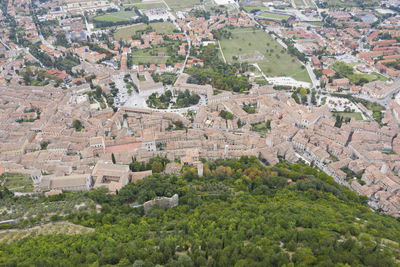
{"points": [[51, 228]]}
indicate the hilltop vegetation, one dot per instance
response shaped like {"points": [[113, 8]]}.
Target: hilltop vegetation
{"points": [[240, 213]]}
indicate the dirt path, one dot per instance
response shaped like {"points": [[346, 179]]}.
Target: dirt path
{"points": [[222, 53]]}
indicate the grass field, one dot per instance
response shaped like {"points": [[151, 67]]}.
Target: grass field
{"points": [[379, 77], [159, 27], [341, 3], [370, 77], [276, 62], [260, 127], [150, 55], [149, 5], [250, 8], [130, 2], [299, 3], [180, 4], [347, 70], [316, 23], [353, 115], [274, 16], [142, 57], [116, 16], [310, 3]]}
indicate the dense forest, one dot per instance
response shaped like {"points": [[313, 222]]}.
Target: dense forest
{"points": [[240, 213]]}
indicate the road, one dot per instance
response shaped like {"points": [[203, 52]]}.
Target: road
{"points": [[87, 25], [168, 8], [313, 78], [188, 52], [280, 42], [37, 60], [383, 102], [259, 69], [222, 53], [323, 168], [5, 45]]}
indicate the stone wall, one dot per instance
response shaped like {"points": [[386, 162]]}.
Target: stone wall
{"points": [[161, 202]]}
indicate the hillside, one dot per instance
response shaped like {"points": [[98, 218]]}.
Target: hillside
{"points": [[240, 213]]}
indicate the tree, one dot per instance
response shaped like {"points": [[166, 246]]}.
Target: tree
{"points": [[157, 167], [184, 261], [304, 256], [77, 125], [268, 124], [98, 91], [339, 121], [138, 263], [226, 115], [220, 221], [113, 158]]}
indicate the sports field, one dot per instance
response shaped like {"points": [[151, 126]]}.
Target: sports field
{"points": [[159, 27], [256, 46], [116, 16]]}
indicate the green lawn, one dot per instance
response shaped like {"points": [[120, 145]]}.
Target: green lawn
{"points": [[310, 3], [250, 44], [130, 2], [316, 23], [299, 3], [116, 16], [140, 58], [150, 55], [379, 77], [348, 71], [342, 3], [260, 127], [370, 77], [163, 27], [159, 27], [260, 81], [142, 78], [180, 5], [274, 16], [354, 115], [150, 5], [250, 8]]}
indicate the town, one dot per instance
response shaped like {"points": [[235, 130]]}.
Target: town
{"points": [[91, 89]]}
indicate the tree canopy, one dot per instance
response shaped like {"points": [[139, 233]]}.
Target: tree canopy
{"points": [[240, 213]]}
